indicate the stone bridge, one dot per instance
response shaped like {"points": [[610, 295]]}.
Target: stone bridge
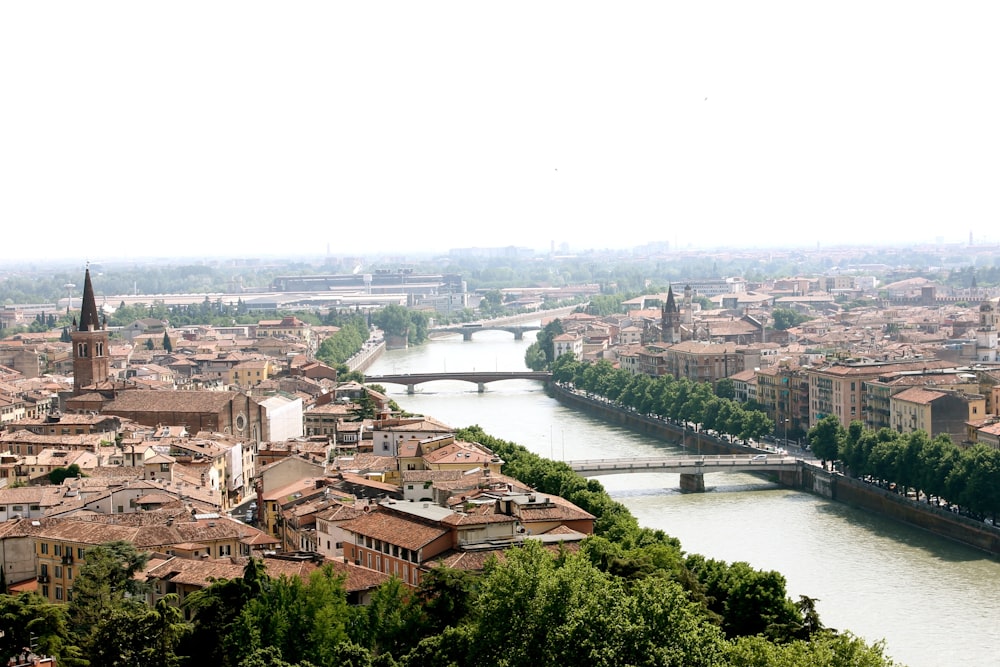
{"points": [[468, 329], [479, 378], [692, 468]]}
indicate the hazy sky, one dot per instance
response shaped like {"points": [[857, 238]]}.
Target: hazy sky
{"points": [[248, 128]]}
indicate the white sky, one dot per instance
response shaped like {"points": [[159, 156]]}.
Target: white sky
{"points": [[246, 128]]}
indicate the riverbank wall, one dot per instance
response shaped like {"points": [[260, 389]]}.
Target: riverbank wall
{"points": [[809, 478], [366, 356]]}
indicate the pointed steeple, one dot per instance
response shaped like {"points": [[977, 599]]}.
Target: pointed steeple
{"points": [[671, 306], [88, 312], [670, 324]]}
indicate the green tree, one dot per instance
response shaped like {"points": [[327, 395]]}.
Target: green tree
{"points": [[215, 609], [389, 622], [304, 621], [534, 609], [444, 596], [786, 318], [135, 634], [825, 438], [60, 475], [104, 581], [167, 345], [725, 388], [492, 303], [394, 320], [28, 619]]}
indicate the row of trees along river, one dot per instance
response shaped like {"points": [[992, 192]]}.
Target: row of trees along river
{"points": [[934, 602]]}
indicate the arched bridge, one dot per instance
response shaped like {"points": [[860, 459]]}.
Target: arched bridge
{"points": [[480, 378], [691, 468], [468, 329]]}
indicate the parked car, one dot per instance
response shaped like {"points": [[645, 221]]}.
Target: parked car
{"points": [[759, 457]]}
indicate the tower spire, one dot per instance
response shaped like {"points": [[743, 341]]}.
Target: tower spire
{"points": [[88, 311]]}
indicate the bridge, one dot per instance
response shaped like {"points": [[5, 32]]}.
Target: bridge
{"points": [[479, 378], [691, 468], [468, 329]]}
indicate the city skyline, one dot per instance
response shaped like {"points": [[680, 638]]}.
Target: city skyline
{"points": [[237, 130]]}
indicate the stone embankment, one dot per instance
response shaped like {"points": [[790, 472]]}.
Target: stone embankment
{"points": [[367, 355], [810, 476]]}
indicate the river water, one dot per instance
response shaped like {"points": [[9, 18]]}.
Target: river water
{"points": [[934, 602]]}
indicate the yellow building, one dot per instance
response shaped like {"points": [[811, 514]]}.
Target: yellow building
{"points": [[935, 412], [61, 544]]}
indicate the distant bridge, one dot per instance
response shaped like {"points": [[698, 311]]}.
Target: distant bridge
{"points": [[468, 329], [479, 378], [691, 468]]}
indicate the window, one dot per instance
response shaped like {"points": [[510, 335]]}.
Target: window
{"points": [[69, 573], [45, 547], [79, 553], [45, 591], [58, 571], [57, 550], [59, 593]]}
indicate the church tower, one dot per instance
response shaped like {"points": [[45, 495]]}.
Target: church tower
{"points": [[91, 363], [670, 320]]}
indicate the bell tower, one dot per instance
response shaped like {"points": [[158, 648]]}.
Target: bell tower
{"points": [[670, 319], [91, 363]]}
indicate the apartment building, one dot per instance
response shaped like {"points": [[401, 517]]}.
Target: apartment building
{"points": [[935, 412], [839, 389]]}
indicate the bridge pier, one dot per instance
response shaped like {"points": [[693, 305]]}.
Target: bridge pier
{"points": [[466, 335], [518, 335], [411, 389], [482, 387], [692, 482]]}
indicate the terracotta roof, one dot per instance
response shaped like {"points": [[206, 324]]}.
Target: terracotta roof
{"points": [[918, 395], [394, 529], [170, 401]]}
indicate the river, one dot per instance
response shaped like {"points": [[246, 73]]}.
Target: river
{"points": [[934, 602]]}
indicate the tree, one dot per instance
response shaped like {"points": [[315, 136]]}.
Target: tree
{"points": [[60, 475], [215, 610], [537, 609], [135, 634], [28, 619], [103, 582], [304, 621], [492, 303], [725, 388], [825, 438], [394, 320], [389, 622], [149, 344], [167, 345], [445, 596], [364, 408], [786, 318]]}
